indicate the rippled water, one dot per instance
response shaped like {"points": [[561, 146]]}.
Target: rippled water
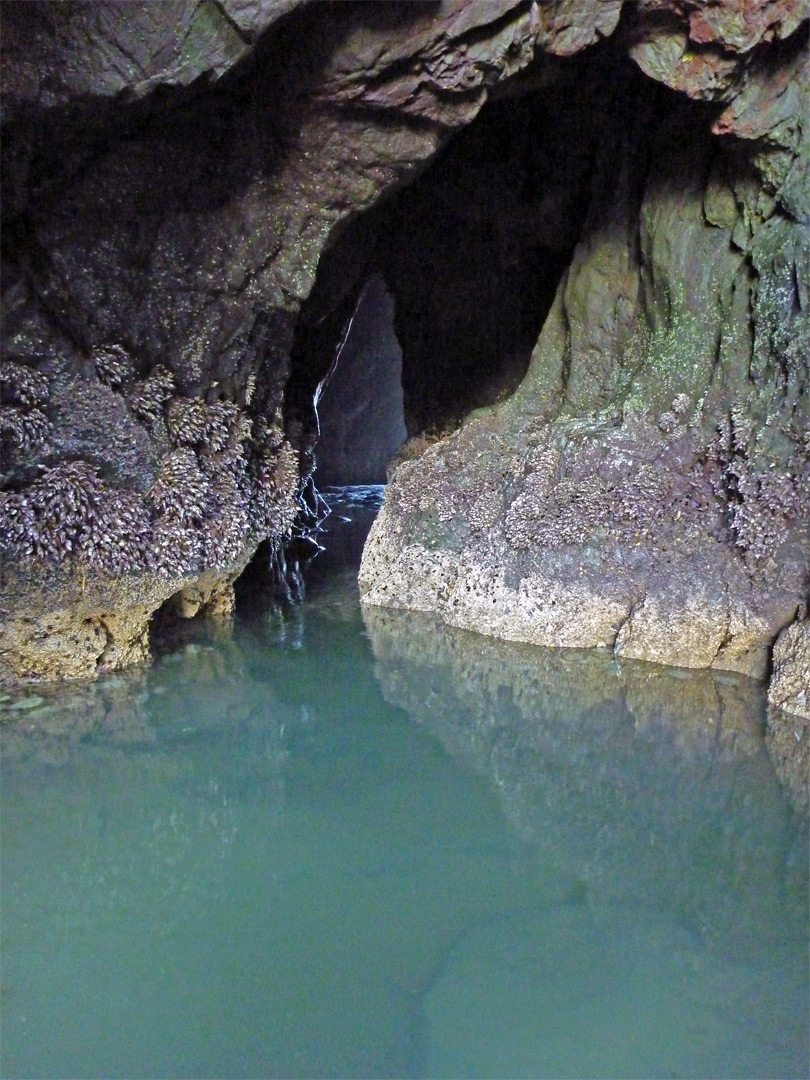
{"points": [[328, 847]]}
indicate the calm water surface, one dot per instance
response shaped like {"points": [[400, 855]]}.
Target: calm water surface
{"points": [[324, 847]]}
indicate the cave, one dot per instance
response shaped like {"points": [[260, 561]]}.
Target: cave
{"points": [[470, 275], [405, 537], [588, 233], [358, 404]]}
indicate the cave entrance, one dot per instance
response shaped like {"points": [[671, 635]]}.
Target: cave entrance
{"points": [[359, 403], [444, 285]]}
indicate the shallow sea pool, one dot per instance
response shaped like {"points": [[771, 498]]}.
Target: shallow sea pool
{"points": [[337, 843]]}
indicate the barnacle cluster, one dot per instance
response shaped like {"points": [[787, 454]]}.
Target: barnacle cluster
{"points": [[185, 420], [68, 512], [228, 478], [229, 521], [113, 365], [196, 522], [148, 396], [22, 385], [274, 473], [117, 535], [428, 485], [668, 422], [672, 420], [573, 497], [180, 491], [23, 423], [762, 499], [21, 430], [485, 511], [217, 487], [191, 422]]}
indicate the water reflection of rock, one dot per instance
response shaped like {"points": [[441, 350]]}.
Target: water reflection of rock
{"points": [[788, 739], [48, 724], [163, 716], [624, 774]]}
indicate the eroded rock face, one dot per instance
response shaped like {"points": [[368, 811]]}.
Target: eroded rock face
{"points": [[647, 486], [174, 172], [157, 253], [64, 632], [790, 680]]}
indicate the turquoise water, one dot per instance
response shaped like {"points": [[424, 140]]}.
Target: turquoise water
{"points": [[335, 846]]}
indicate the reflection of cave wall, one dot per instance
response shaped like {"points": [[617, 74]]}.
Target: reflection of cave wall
{"points": [[360, 407], [602, 764]]}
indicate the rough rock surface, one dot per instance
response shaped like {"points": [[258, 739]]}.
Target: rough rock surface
{"points": [[790, 680], [130, 48], [176, 174], [647, 486], [59, 635]]}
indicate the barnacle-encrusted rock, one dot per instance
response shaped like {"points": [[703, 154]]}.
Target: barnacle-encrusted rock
{"points": [[22, 385], [180, 497], [185, 420], [69, 515], [176, 547], [229, 522], [50, 520], [24, 393], [222, 425], [20, 431], [651, 465], [605, 539], [191, 422], [274, 471], [180, 490], [116, 537], [16, 524], [762, 496]]}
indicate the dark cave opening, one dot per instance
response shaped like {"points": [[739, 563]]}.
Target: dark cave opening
{"points": [[359, 404], [471, 253]]}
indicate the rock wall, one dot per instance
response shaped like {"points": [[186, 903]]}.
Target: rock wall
{"points": [[171, 175], [647, 486], [176, 174]]}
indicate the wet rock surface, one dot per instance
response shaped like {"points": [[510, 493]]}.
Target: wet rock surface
{"points": [[174, 173], [58, 632]]}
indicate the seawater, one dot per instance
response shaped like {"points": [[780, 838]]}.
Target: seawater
{"points": [[337, 843]]}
